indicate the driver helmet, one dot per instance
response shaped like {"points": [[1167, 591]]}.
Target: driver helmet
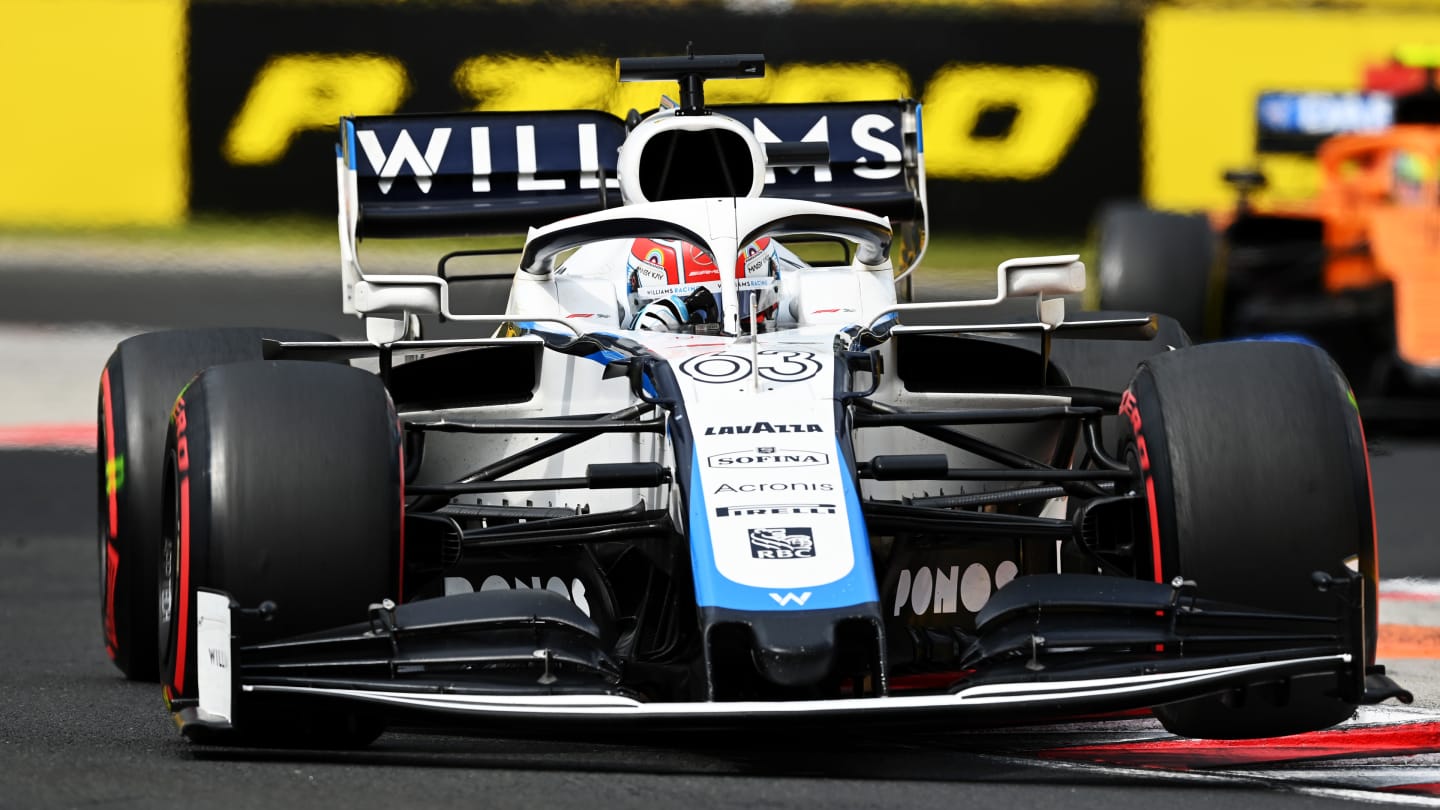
{"points": [[683, 273], [1411, 171]]}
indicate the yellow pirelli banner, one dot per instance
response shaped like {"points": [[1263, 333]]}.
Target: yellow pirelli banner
{"points": [[1204, 70], [93, 95]]}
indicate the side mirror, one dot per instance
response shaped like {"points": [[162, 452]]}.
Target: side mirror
{"points": [[1245, 181], [1039, 276], [1042, 275], [388, 298]]}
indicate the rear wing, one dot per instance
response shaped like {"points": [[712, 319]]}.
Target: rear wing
{"points": [[1290, 122], [500, 172], [469, 174], [875, 162], [475, 173]]}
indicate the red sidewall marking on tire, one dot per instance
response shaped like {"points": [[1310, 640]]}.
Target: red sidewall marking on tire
{"points": [[1132, 413], [112, 498], [182, 461], [184, 612], [1154, 526], [112, 565]]}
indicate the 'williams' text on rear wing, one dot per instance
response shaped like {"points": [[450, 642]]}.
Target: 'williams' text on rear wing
{"points": [[497, 172]]}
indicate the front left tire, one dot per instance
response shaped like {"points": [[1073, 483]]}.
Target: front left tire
{"points": [[138, 386], [284, 484]]}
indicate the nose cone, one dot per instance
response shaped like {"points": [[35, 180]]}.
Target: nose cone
{"points": [[794, 653], [801, 649]]}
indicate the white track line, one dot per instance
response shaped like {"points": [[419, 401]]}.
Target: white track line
{"points": [[1412, 589], [51, 375]]}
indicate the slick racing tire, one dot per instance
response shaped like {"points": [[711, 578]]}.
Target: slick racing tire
{"points": [[283, 485], [1156, 261], [1253, 461], [1109, 365], [137, 388]]}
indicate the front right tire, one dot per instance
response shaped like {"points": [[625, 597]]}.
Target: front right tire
{"points": [[1254, 465]]}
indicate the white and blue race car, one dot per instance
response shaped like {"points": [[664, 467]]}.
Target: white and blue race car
{"points": [[656, 490]]}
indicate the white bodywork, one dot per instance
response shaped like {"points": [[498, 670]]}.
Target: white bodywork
{"points": [[760, 408], [754, 433]]}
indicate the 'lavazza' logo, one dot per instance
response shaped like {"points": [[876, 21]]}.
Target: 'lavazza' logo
{"points": [[769, 457], [761, 427], [789, 543]]}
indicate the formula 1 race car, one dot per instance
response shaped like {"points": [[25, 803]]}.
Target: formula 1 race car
{"points": [[1353, 271], [662, 492]]}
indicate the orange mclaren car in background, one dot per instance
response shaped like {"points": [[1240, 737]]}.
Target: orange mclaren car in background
{"points": [[1355, 270]]}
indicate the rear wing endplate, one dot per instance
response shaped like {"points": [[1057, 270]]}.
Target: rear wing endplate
{"points": [[1288, 122]]}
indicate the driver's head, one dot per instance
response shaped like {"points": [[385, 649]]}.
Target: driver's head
{"points": [[655, 265], [660, 268]]}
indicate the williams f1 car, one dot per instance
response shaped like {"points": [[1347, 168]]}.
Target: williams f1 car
{"points": [[657, 491]]}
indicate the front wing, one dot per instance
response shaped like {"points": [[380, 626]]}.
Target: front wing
{"points": [[573, 691]]}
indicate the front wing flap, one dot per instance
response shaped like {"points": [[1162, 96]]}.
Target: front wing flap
{"points": [[979, 704]]}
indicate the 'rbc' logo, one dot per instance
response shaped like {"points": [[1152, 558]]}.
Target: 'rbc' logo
{"points": [[782, 543]]}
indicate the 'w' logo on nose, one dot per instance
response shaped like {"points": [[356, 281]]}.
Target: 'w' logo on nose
{"points": [[785, 600]]}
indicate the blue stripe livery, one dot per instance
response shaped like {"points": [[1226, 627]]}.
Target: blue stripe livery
{"points": [[713, 589]]}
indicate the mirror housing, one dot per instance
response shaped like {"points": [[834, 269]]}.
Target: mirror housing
{"points": [[1042, 275], [394, 299]]}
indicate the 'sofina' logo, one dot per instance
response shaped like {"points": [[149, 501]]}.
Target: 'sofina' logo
{"points": [[769, 457]]}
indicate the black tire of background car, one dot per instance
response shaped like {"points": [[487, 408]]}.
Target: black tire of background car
{"points": [[1156, 261], [1257, 458], [143, 375], [290, 473]]}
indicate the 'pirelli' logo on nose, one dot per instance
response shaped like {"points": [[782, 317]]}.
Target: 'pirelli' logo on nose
{"points": [[776, 509]]}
